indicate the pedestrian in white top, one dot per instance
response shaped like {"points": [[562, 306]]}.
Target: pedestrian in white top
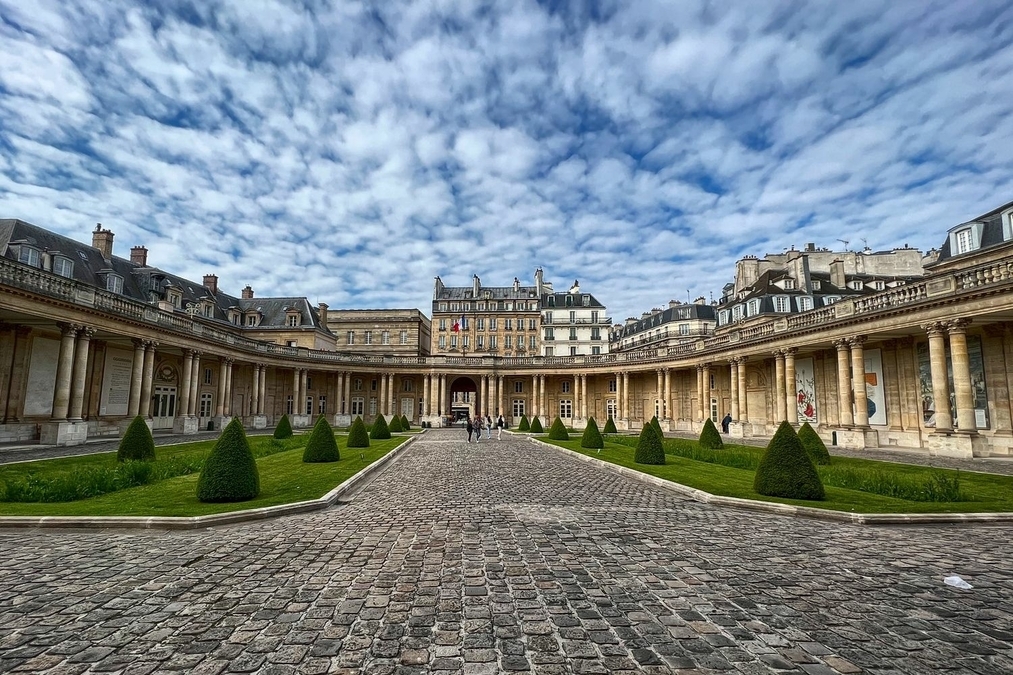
{"points": [[500, 424], [488, 427]]}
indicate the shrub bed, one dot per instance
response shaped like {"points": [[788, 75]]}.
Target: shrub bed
{"points": [[230, 473], [380, 431], [137, 443], [785, 469], [592, 437], [557, 431], [709, 436], [321, 446], [284, 428], [358, 437]]}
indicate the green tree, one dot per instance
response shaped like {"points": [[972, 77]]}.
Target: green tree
{"points": [[536, 426], [657, 427], [557, 431], [649, 448], [358, 437], [380, 429], [230, 472], [395, 425], [709, 436], [284, 428], [610, 426], [813, 444], [785, 469], [321, 446], [524, 424], [591, 438], [137, 443], [405, 423]]}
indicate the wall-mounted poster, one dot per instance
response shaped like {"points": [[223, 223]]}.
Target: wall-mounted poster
{"points": [[116, 382], [875, 395], [976, 365], [805, 388]]}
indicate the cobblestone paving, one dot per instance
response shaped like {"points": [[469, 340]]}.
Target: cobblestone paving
{"points": [[508, 557]]}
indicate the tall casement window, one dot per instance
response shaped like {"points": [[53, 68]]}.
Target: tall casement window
{"points": [[357, 406], [385, 337], [289, 405], [357, 384], [612, 386], [351, 337], [404, 337], [610, 408], [518, 407], [518, 386], [565, 408]]}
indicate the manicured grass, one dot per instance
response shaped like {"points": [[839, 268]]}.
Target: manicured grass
{"points": [[987, 492], [284, 478]]}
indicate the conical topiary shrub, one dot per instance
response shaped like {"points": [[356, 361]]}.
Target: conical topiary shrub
{"points": [[813, 444], [536, 426], [709, 436], [557, 431], [649, 449], [785, 469], [657, 427], [284, 428], [137, 443], [405, 424], [395, 425], [591, 438], [524, 425], [321, 447], [610, 426], [358, 437], [380, 430], [230, 472]]}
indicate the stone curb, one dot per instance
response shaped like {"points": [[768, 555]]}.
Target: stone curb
{"points": [[343, 493], [789, 509]]}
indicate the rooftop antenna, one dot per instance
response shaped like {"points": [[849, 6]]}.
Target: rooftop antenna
{"points": [[688, 301], [845, 242], [865, 244]]}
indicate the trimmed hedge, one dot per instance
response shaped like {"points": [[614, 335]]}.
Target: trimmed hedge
{"points": [[536, 426], [524, 425], [557, 431], [230, 472], [610, 426], [284, 428], [380, 430], [358, 437], [592, 437], [137, 443], [405, 424], [321, 446], [785, 469], [709, 436], [657, 427], [813, 444], [649, 449], [395, 425]]}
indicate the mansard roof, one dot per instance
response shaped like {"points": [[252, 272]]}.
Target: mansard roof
{"points": [[992, 231], [685, 312], [559, 300], [495, 293]]}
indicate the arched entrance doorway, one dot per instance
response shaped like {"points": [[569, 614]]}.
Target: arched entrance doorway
{"points": [[463, 400]]}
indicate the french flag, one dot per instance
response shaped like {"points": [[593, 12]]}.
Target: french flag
{"points": [[457, 325]]}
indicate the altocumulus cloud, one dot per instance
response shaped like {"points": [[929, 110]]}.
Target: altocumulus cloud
{"points": [[350, 151]]}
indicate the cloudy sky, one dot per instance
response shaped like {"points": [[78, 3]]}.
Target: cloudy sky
{"points": [[351, 151]]}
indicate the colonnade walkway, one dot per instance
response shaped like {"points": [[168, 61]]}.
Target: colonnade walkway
{"points": [[508, 557]]}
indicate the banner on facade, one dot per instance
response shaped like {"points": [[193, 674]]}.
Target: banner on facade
{"points": [[875, 395], [41, 377], [976, 366], [116, 382], [805, 391]]}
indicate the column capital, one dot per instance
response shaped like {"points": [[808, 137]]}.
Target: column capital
{"points": [[68, 328], [151, 344], [957, 326], [934, 328], [138, 343], [790, 351], [86, 332], [841, 344], [778, 353], [856, 341], [742, 360]]}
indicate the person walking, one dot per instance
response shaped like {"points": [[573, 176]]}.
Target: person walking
{"points": [[488, 427], [471, 429], [725, 421], [500, 423], [478, 428]]}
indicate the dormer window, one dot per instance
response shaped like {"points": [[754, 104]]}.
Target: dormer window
{"points": [[175, 297], [782, 303], [235, 317], [878, 285], [965, 238], [63, 267], [114, 284], [753, 307], [855, 285], [293, 320], [208, 309], [789, 284], [587, 300], [805, 303], [816, 285], [28, 255], [1007, 226], [964, 241], [251, 319]]}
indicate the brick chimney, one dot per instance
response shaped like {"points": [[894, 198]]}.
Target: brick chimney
{"points": [[211, 283], [247, 293], [322, 311], [837, 277], [139, 256], [103, 241]]}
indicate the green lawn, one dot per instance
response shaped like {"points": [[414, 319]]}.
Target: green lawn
{"points": [[988, 492], [284, 478]]}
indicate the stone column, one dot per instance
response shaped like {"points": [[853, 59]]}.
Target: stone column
{"points": [[659, 388], [699, 394], [425, 395], [743, 402], [222, 377], [339, 393], [80, 377], [626, 395], [844, 383], [295, 391], [619, 397], [64, 371], [790, 392], [733, 378], [543, 404], [534, 396], [303, 390], [136, 375], [966, 422], [147, 380], [583, 397], [780, 412], [668, 394], [262, 408], [706, 391], [255, 393], [858, 380], [228, 386], [346, 404], [501, 387], [195, 384], [442, 385], [392, 393], [183, 396]]}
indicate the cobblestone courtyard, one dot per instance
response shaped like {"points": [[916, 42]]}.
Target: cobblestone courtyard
{"points": [[506, 556]]}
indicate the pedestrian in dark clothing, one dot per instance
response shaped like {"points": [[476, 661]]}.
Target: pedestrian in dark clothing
{"points": [[471, 429], [725, 421]]}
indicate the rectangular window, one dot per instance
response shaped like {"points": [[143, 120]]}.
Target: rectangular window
{"points": [[464, 342], [385, 337], [508, 342], [453, 342], [29, 256], [549, 351], [532, 341], [520, 324], [492, 342], [518, 408], [573, 317], [596, 333], [443, 324], [443, 306], [207, 376], [508, 324], [351, 337], [963, 239], [63, 266], [479, 324], [114, 284], [548, 317], [309, 405], [610, 408], [566, 387], [595, 351], [480, 342], [594, 316], [369, 338], [407, 385], [805, 303], [293, 320], [404, 337], [573, 333], [586, 300], [288, 404], [519, 386], [781, 303], [309, 383], [492, 324], [357, 406], [532, 324], [573, 351], [372, 406], [612, 386], [549, 334], [357, 385], [372, 385], [322, 409], [443, 342], [566, 408]]}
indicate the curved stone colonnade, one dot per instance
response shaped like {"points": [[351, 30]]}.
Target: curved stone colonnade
{"points": [[926, 365]]}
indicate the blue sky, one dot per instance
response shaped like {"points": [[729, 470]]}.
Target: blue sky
{"points": [[351, 151]]}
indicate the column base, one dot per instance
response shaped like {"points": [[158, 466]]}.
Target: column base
{"points": [[63, 433], [258, 421], [343, 420], [185, 425], [852, 439], [220, 421], [122, 425], [956, 444], [740, 430], [300, 421]]}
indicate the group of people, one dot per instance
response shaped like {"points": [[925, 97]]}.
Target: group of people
{"points": [[477, 423]]}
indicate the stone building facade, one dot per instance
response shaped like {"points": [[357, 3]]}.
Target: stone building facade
{"points": [[927, 364], [392, 332], [663, 328]]}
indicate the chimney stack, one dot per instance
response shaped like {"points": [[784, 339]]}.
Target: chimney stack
{"points": [[139, 256], [103, 241], [672, 304], [476, 285], [517, 284], [211, 283], [322, 310], [837, 274], [247, 293]]}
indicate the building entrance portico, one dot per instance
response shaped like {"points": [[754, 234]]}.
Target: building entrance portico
{"points": [[464, 399]]}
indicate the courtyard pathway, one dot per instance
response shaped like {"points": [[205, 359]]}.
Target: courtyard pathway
{"points": [[508, 557]]}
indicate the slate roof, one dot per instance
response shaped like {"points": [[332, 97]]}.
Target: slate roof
{"points": [[496, 293], [991, 233], [671, 315], [559, 300], [146, 284]]}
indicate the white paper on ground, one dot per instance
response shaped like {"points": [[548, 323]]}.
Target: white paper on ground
{"points": [[956, 582]]}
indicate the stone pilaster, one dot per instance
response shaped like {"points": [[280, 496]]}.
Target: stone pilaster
{"points": [[844, 383], [790, 391], [780, 409], [148, 377], [940, 382], [80, 375], [136, 377], [858, 380], [962, 376]]}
